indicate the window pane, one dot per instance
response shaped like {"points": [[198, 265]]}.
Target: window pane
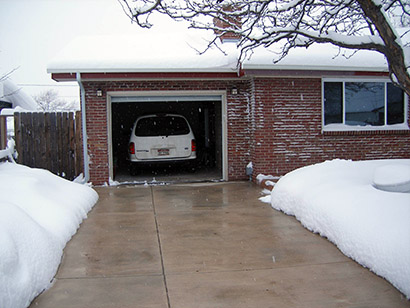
{"points": [[364, 103], [395, 104], [333, 102], [161, 126]]}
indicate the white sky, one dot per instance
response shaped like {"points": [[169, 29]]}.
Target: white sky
{"points": [[33, 31]]}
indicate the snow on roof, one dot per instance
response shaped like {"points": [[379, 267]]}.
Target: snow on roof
{"points": [[169, 52], [179, 52], [318, 57], [10, 93]]}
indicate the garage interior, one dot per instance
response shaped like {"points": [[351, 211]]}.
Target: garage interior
{"points": [[204, 115]]}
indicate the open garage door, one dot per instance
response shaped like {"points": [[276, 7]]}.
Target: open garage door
{"points": [[205, 116]]}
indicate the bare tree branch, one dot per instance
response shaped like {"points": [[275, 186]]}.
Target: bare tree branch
{"points": [[351, 24], [49, 100]]}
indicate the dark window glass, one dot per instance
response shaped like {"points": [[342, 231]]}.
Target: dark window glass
{"points": [[364, 103], [333, 102], [161, 126], [395, 104]]}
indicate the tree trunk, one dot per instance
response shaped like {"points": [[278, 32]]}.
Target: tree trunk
{"points": [[393, 51]]}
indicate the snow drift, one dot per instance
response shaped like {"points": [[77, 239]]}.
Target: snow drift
{"points": [[338, 200], [39, 213]]}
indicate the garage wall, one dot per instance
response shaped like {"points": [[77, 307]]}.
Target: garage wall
{"points": [[237, 113]]}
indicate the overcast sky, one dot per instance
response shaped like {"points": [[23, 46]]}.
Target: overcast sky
{"points": [[33, 31]]}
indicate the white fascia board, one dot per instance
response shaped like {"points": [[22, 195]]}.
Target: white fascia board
{"points": [[144, 70], [277, 67]]}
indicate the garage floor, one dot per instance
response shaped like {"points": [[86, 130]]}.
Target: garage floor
{"points": [[175, 175], [205, 246]]}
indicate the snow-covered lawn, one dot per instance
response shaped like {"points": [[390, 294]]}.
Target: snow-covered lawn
{"points": [[339, 200], [39, 213]]}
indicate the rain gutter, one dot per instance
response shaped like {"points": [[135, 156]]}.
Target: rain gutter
{"points": [[84, 130]]}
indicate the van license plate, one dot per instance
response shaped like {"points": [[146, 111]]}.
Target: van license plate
{"points": [[163, 152]]}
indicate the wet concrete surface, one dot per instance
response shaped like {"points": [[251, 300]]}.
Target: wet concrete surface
{"points": [[174, 174], [205, 245]]}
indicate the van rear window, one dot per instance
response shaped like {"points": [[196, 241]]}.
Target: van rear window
{"points": [[161, 126]]}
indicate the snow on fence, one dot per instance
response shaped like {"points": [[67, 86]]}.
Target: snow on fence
{"points": [[50, 141]]}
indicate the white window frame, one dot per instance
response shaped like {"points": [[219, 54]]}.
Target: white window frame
{"points": [[344, 127]]}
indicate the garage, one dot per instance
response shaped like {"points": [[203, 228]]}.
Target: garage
{"points": [[204, 113]]}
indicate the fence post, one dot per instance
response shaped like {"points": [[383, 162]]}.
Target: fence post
{"points": [[78, 144], [17, 134], [3, 132], [71, 135]]}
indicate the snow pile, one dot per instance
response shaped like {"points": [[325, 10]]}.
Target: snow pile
{"points": [[9, 151], [261, 177], [337, 199], [111, 182], [39, 213]]}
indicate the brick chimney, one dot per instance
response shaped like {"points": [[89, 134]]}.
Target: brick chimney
{"points": [[225, 21]]}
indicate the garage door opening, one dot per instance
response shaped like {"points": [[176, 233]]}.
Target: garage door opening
{"points": [[204, 114]]}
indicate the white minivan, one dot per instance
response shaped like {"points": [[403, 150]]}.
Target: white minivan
{"points": [[161, 137]]}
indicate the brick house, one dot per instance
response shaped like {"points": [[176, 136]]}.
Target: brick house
{"points": [[308, 108]]}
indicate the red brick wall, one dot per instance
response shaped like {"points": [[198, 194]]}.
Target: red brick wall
{"points": [[287, 117], [96, 117], [238, 120]]}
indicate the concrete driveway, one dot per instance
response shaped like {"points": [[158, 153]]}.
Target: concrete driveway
{"points": [[205, 245]]}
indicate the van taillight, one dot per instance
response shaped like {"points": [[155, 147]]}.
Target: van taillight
{"points": [[131, 148], [193, 145]]}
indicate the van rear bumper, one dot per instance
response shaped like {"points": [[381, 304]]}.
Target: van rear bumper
{"points": [[161, 159]]}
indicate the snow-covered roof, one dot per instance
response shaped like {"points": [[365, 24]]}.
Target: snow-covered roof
{"points": [[324, 57], [11, 93], [143, 53], [179, 52]]}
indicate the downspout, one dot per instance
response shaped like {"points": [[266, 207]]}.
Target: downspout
{"points": [[84, 130]]}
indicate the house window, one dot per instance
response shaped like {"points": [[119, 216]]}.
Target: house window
{"points": [[363, 104]]}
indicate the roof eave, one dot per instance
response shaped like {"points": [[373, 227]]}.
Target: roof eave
{"points": [[140, 70], [264, 67], [143, 75]]}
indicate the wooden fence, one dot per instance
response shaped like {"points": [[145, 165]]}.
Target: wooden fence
{"points": [[3, 132], [50, 141]]}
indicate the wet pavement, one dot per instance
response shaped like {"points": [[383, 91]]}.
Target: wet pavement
{"points": [[205, 245]]}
